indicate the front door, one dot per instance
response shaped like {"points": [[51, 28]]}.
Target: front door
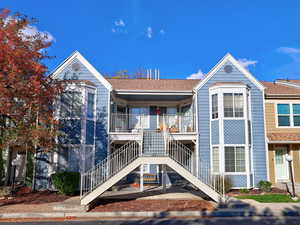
{"points": [[281, 165]]}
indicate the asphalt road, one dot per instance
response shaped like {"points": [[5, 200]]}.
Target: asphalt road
{"points": [[218, 221]]}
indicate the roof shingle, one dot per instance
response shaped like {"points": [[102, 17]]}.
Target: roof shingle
{"points": [[280, 89]]}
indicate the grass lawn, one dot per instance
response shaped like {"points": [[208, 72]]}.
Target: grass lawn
{"points": [[268, 198]]}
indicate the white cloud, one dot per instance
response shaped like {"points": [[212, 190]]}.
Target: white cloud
{"points": [[162, 32], [198, 75], [149, 32], [288, 50], [30, 31], [247, 62], [120, 23]]}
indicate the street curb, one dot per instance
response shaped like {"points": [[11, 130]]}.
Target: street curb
{"points": [[157, 214], [151, 214]]}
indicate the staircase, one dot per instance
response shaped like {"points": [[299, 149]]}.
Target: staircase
{"points": [[153, 143], [157, 148]]}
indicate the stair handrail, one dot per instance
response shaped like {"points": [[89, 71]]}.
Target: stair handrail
{"points": [[108, 167], [180, 153]]}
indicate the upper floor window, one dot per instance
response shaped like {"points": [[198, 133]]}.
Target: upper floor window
{"points": [[90, 105], [214, 106], [288, 115], [233, 105], [70, 104]]}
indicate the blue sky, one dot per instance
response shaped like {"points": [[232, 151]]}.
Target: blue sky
{"points": [[178, 37]]}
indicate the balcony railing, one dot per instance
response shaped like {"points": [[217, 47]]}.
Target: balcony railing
{"points": [[174, 123]]}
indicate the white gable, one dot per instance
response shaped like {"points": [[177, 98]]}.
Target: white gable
{"points": [[229, 58], [80, 58]]}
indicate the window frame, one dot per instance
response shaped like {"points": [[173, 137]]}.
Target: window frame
{"points": [[88, 117], [213, 159], [216, 107], [290, 115], [235, 172], [71, 115], [233, 94]]}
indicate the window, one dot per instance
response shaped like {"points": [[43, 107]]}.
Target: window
{"points": [[90, 106], [215, 159], [283, 111], [214, 106], [288, 115], [70, 104], [233, 105], [235, 159], [296, 114]]}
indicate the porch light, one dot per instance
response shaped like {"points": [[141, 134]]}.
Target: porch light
{"points": [[289, 158]]}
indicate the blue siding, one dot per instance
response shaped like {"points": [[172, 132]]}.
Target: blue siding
{"points": [[238, 180], [259, 151], [234, 132], [89, 140], [71, 130], [42, 169], [102, 101], [215, 132]]}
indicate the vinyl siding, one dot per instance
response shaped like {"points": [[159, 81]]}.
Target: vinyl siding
{"points": [[215, 132], [234, 131], [259, 151], [102, 100]]}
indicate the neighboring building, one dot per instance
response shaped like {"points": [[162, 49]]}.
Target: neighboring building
{"points": [[282, 114], [115, 129]]}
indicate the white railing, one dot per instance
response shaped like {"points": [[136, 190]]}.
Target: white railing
{"points": [[108, 167], [186, 158], [174, 149], [175, 123]]}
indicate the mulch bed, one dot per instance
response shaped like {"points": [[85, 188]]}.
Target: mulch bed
{"points": [[152, 205], [26, 196], [256, 192]]}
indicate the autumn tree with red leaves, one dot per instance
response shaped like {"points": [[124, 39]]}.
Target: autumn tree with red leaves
{"points": [[27, 95]]}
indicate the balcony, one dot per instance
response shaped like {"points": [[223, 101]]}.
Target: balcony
{"points": [[133, 123]]}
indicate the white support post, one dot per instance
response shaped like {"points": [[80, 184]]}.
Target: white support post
{"points": [[142, 178], [164, 177]]}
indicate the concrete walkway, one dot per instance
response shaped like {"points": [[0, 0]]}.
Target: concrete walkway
{"points": [[263, 209], [288, 187]]}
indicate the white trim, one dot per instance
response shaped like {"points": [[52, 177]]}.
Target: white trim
{"points": [[246, 115], [291, 84], [195, 104], [282, 101], [230, 58], [245, 152], [153, 92], [283, 142], [251, 143], [266, 141], [77, 55], [291, 115]]}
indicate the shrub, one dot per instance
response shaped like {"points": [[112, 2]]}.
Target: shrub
{"points": [[244, 191], [66, 182], [264, 185]]}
